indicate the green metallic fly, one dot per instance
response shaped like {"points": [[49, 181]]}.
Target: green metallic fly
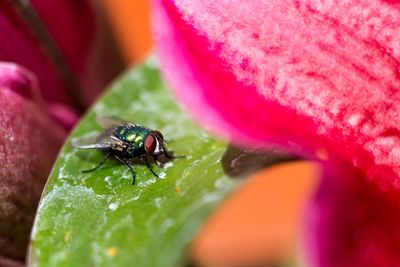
{"points": [[127, 142]]}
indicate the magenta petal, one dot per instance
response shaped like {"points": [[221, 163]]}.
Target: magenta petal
{"points": [[29, 143], [20, 80], [291, 72], [352, 223], [63, 115], [70, 25], [19, 44], [307, 75]]}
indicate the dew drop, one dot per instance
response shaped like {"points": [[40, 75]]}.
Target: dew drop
{"points": [[113, 206]]}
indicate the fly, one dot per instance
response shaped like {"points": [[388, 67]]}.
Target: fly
{"points": [[126, 142]]}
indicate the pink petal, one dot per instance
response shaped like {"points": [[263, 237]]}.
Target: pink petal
{"points": [[63, 115], [79, 35], [29, 143], [71, 26], [20, 45], [308, 75], [314, 75], [20, 80], [351, 223]]}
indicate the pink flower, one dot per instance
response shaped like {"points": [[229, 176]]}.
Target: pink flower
{"points": [[49, 73], [29, 143], [57, 41], [309, 76]]}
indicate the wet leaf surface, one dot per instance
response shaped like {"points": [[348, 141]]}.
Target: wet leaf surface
{"points": [[99, 218]]}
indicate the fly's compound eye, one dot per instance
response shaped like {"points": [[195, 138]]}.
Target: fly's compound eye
{"points": [[150, 144]]}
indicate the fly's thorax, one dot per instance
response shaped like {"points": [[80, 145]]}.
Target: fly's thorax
{"points": [[133, 134]]}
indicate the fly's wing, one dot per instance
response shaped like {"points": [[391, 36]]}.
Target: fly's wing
{"points": [[107, 139], [95, 141], [111, 122]]}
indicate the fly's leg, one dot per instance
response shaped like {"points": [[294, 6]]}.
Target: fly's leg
{"points": [[149, 167], [98, 166], [130, 168], [133, 173]]}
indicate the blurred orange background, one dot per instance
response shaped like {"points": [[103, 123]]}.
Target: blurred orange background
{"points": [[259, 224], [131, 26]]}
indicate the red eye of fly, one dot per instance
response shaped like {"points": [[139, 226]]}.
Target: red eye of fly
{"points": [[150, 144]]}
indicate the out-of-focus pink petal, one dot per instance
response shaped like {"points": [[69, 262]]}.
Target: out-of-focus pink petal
{"points": [[313, 74], [307, 75], [29, 143], [321, 75], [70, 24], [20, 45], [63, 115], [84, 41], [20, 80], [352, 223]]}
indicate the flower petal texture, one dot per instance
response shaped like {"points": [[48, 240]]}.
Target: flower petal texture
{"points": [[56, 42], [19, 80], [350, 222], [29, 143], [308, 75]]}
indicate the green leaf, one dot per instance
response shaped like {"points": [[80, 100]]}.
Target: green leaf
{"points": [[99, 218]]}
